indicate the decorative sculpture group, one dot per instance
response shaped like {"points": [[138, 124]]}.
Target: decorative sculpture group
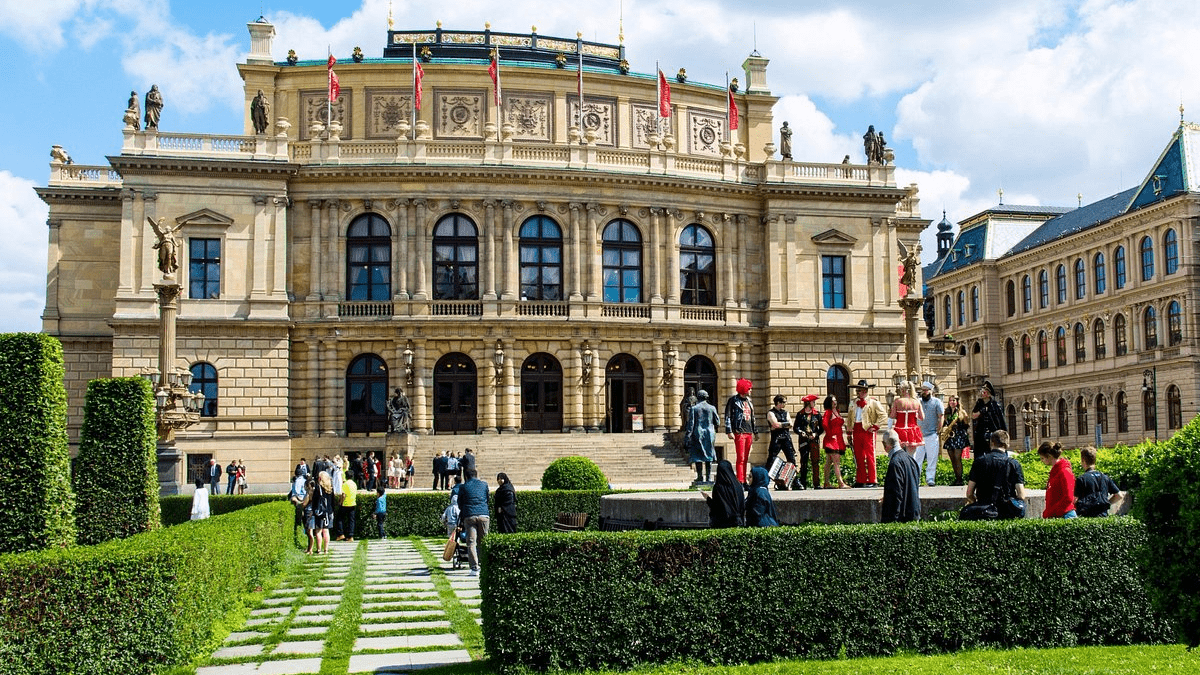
{"points": [[167, 246], [154, 106], [875, 146]]}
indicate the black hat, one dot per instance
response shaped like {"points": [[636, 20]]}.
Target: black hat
{"points": [[862, 384], [988, 385]]}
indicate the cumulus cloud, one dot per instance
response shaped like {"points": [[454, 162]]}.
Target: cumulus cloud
{"points": [[37, 24], [23, 268]]}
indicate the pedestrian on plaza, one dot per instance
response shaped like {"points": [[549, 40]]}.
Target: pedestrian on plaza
{"points": [[302, 468], [309, 508], [506, 505], [323, 511], [869, 417], [996, 484], [1095, 492], [467, 461], [760, 509], [452, 470], [241, 477], [901, 496], [376, 472], [905, 414], [393, 471], [987, 417], [410, 472], [214, 476], [727, 503], [296, 495], [1060, 489], [200, 509], [809, 427], [956, 436], [338, 473], [439, 470], [933, 413], [740, 426], [781, 436], [380, 510], [347, 510], [473, 509], [454, 488], [834, 441]]}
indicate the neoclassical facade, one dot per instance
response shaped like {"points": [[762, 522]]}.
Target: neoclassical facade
{"points": [[510, 272], [1088, 312]]}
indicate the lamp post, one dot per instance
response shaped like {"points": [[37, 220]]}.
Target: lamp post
{"points": [[1150, 389], [1031, 416], [669, 363], [408, 364]]}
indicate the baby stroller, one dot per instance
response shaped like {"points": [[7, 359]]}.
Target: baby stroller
{"points": [[460, 549]]}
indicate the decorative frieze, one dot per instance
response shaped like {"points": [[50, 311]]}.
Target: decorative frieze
{"points": [[314, 107], [646, 122], [706, 132], [386, 108], [459, 113], [531, 115], [599, 115]]}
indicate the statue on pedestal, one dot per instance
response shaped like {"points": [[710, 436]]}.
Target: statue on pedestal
{"points": [[785, 141], [874, 146], [154, 106], [910, 258], [685, 408], [399, 413], [133, 112], [168, 246], [260, 113]]}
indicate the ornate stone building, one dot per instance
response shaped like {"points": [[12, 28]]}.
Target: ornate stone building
{"points": [[513, 273], [1087, 314]]}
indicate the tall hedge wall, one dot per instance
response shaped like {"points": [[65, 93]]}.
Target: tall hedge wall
{"points": [[37, 508], [616, 600], [116, 479], [137, 604]]}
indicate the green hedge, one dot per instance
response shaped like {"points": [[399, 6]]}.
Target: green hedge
{"points": [[37, 508], [604, 600], [116, 479], [177, 509], [135, 605], [418, 513]]}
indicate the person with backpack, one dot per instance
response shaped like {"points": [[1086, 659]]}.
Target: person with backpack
{"points": [[996, 484], [1095, 492]]}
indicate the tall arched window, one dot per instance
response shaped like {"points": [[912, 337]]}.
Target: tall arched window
{"points": [[1011, 414], [1010, 297], [1064, 427], [1060, 283], [541, 259], [1099, 273], [976, 358], [1147, 252], [837, 383], [974, 304], [1119, 267], [369, 259], [1120, 336], [701, 373], [962, 309], [455, 259], [1043, 290], [1174, 323], [1081, 417], [1102, 413], [204, 380], [1026, 354], [1122, 412], [1174, 408], [622, 262], [366, 394], [1080, 279], [1150, 327], [1080, 344], [1170, 253], [1099, 348], [948, 315], [1010, 357], [1060, 346], [697, 267], [1043, 350], [1026, 294]]}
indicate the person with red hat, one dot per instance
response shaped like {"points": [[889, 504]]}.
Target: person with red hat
{"points": [[740, 426], [808, 430], [869, 417]]}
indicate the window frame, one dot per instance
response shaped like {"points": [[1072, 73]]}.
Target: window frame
{"points": [[622, 245], [1146, 255], [457, 242], [1170, 252], [693, 279], [537, 245], [1080, 279], [209, 386], [833, 283], [1060, 284], [207, 264], [1099, 274], [1119, 268]]}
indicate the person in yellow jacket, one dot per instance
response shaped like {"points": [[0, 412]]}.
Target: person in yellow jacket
{"points": [[344, 526], [869, 416]]}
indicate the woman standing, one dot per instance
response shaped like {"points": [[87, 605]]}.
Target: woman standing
{"points": [[323, 511], [506, 505], [834, 442], [808, 430], [760, 509], [241, 477], [200, 501], [1060, 489], [956, 435], [988, 417], [727, 503], [904, 414]]}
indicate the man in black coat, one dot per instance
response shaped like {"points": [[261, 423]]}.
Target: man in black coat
{"points": [[467, 462], [901, 496], [214, 476], [439, 470]]}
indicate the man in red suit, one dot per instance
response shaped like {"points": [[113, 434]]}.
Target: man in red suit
{"points": [[869, 416]]}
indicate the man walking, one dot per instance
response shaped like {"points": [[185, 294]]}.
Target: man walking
{"points": [[467, 461], [473, 514], [901, 498], [935, 413], [740, 426], [214, 476], [451, 469], [869, 416]]}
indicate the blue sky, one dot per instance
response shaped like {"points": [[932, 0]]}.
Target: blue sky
{"points": [[1045, 98]]}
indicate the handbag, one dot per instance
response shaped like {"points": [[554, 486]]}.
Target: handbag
{"points": [[448, 552]]}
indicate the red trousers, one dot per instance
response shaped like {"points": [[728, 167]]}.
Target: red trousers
{"points": [[742, 443], [864, 455]]}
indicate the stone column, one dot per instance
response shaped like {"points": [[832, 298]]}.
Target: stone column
{"points": [[331, 421], [130, 253], [422, 417], [258, 239], [331, 287], [777, 272], [654, 414], [591, 263], [489, 250], [423, 252], [576, 259], [53, 258], [671, 239], [791, 285], [912, 306], [279, 278], [742, 255], [400, 251], [510, 282], [598, 392], [315, 250], [728, 264], [574, 380], [148, 260], [651, 281]]}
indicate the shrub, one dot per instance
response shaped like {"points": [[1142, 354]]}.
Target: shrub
{"points": [[136, 605], [37, 509], [573, 473], [117, 470], [620, 599], [176, 509], [1169, 504]]}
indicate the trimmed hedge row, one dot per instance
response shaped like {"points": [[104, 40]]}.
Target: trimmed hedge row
{"points": [[616, 600], [177, 509], [135, 605], [37, 508]]}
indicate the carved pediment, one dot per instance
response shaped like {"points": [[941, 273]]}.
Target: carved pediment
{"points": [[205, 217], [834, 238]]}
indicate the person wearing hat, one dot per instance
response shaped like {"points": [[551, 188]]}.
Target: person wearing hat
{"points": [[808, 430], [988, 418], [931, 425], [781, 435], [869, 417], [700, 434], [740, 426]]}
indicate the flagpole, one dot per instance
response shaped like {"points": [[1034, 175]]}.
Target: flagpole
{"points": [[499, 100], [657, 99], [728, 100], [580, 86], [328, 94]]}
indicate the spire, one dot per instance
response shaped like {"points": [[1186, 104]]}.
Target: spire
{"points": [[945, 238]]}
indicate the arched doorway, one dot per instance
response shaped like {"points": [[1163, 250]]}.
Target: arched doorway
{"points": [[700, 373], [366, 395], [454, 394], [623, 379], [541, 393]]}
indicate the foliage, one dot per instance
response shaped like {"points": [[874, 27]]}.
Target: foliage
{"points": [[746, 595], [116, 483], [177, 509], [37, 508], [418, 513], [1169, 504], [138, 604], [573, 473]]}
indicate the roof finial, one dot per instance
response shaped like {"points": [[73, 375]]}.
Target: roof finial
{"points": [[1001, 193], [621, 24], [1079, 199], [1181, 110], [390, 24]]}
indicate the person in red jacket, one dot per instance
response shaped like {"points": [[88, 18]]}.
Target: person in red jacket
{"points": [[1060, 491]]}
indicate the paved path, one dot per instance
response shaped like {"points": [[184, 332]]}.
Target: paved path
{"points": [[380, 597]]}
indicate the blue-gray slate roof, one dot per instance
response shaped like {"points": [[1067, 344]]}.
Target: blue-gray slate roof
{"points": [[1076, 220]]}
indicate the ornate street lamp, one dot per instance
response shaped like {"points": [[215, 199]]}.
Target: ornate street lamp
{"points": [[1150, 388], [669, 363]]}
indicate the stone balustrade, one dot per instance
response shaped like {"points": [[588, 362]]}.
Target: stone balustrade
{"points": [[80, 175], [539, 310], [204, 146]]}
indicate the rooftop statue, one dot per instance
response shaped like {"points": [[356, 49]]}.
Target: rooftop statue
{"points": [[260, 113], [133, 112], [785, 141], [154, 106]]}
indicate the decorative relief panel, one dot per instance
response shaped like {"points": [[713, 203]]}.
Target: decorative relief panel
{"points": [[385, 109], [313, 108], [530, 114], [706, 132], [645, 117], [599, 114], [460, 113], [512, 40]]}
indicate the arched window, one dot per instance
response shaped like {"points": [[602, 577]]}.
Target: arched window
{"points": [[1010, 357], [1043, 350], [1170, 253], [1147, 251], [1026, 294], [974, 304], [204, 380], [701, 373], [1174, 408], [962, 309], [1043, 290], [1102, 413], [1174, 323], [837, 384], [1026, 354], [366, 394], [1081, 417], [1080, 344], [1010, 297], [1122, 412], [1149, 410], [1060, 283], [1150, 327], [1080, 279], [1099, 349], [1060, 346], [697, 267], [541, 259], [369, 259], [949, 322], [1099, 273], [622, 262], [1012, 418], [455, 259], [1120, 336], [1064, 427], [1119, 266]]}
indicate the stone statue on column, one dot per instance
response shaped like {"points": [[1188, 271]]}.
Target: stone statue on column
{"points": [[785, 141], [399, 413], [260, 113], [167, 246]]}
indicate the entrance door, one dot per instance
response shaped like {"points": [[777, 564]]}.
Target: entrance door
{"points": [[541, 393], [454, 395], [625, 405]]}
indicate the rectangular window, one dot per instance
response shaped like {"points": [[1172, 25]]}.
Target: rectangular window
{"points": [[833, 281], [204, 269]]}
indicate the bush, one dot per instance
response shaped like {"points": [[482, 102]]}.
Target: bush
{"points": [[602, 600], [573, 473], [418, 513], [1169, 504], [136, 605], [177, 509], [117, 470], [37, 509]]}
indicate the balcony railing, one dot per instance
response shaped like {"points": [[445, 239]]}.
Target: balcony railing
{"points": [[366, 309], [78, 175]]}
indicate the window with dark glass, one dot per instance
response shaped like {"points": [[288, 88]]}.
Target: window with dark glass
{"points": [[204, 380], [1010, 297], [1026, 354], [1060, 346], [1043, 290], [1099, 274], [1060, 282], [1010, 357], [541, 259], [622, 262], [1043, 350], [1122, 412], [1120, 336], [1080, 280], [204, 269], [698, 267], [369, 259], [1099, 348], [455, 259], [949, 315], [1080, 344], [1147, 250], [1150, 327], [1026, 294], [962, 309], [1119, 267], [1081, 417], [1011, 415], [833, 284], [1174, 408], [974, 304], [1102, 413], [1064, 427], [1174, 323], [1170, 254]]}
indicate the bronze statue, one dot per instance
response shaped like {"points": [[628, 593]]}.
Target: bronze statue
{"points": [[133, 112], [871, 147], [785, 141], [154, 106], [168, 245], [685, 407], [399, 413], [911, 259], [260, 113]]}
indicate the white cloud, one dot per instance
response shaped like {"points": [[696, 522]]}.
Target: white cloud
{"points": [[23, 267], [37, 25]]}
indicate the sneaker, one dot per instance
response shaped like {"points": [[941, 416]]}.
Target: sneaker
{"points": [[929, 484], [473, 573]]}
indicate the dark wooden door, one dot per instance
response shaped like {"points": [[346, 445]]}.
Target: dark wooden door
{"points": [[541, 393], [455, 395], [624, 378]]}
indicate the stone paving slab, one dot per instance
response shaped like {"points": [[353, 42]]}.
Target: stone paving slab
{"points": [[401, 625], [377, 606], [317, 609], [265, 623], [306, 631], [403, 614], [237, 652], [270, 611], [244, 635], [286, 667], [300, 647], [394, 663], [406, 642]]}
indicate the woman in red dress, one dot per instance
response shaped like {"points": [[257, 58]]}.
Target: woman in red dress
{"points": [[904, 413], [834, 441]]}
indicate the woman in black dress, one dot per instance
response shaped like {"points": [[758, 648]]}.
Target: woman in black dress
{"points": [[727, 503], [988, 417], [506, 505]]}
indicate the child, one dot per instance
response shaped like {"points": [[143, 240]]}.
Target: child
{"points": [[380, 510], [450, 517], [1094, 491], [1060, 490]]}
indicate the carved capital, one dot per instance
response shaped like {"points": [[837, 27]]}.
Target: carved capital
{"points": [[316, 203], [149, 196], [396, 204], [333, 204], [128, 194], [282, 200], [420, 202], [488, 203], [54, 223], [656, 210], [575, 206], [742, 220], [677, 214], [507, 204], [591, 207]]}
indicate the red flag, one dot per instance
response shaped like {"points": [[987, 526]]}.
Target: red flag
{"points": [[494, 71], [733, 111], [334, 89], [418, 75], [664, 96]]}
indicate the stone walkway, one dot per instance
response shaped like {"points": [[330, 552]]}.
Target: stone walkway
{"points": [[389, 609]]}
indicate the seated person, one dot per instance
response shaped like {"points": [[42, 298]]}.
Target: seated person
{"points": [[760, 509], [996, 485]]}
